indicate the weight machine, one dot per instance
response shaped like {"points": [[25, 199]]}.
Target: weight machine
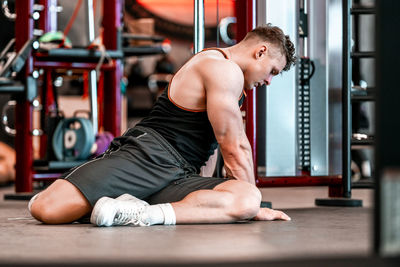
{"points": [[297, 126], [33, 20], [33, 73]]}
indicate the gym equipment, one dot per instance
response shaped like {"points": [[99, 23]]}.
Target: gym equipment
{"points": [[4, 115], [26, 172], [277, 119], [10, 131], [73, 139], [198, 26], [16, 61], [306, 71], [103, 140], [6, 11], [223, 30], [51, 40]]}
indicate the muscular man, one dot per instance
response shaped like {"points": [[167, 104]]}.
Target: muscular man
{"points": [[150, 174]]}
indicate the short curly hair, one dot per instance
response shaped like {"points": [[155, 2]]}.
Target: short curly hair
{"points": [[274, 35]]}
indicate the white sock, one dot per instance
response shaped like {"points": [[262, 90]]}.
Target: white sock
{"points": [[169, 214], [31, 201], [160, 214], [153, 215]]}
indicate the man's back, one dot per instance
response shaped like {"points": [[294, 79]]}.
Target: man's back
{"points": [[180, 114]]}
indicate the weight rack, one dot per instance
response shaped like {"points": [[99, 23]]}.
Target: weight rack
{"points": [[112, 73]]}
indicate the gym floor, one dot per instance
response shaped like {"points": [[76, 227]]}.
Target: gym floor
{"points": [[314, 233]]}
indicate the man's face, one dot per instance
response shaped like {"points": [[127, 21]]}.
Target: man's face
{"points": [[268, 64]]}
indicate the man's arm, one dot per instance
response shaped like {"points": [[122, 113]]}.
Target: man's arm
{"points": [[223, 88]]}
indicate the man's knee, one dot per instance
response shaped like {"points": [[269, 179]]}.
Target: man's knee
{"points": [[245, 199], [61, 202], [248, 202], [41, 210]]}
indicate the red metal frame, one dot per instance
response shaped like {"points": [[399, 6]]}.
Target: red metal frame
{"points": [[245, 20], [44, 21], [305, 180], [47, 100], [23, 109], [71, 65], [112, 107], [112, 74], [245, 23]]}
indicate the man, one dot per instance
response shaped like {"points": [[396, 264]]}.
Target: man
{"points": [[150, 174]]}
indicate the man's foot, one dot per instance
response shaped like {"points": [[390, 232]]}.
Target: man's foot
{"points": [[124, 210]]}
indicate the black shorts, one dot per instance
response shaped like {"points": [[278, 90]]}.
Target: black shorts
{"points": [[143, 164]]}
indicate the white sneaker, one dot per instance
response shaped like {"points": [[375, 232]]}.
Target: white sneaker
{"points": [[129, 197], [124, 210]]}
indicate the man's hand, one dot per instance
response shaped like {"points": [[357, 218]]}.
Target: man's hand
{"points": [[266, 214]]}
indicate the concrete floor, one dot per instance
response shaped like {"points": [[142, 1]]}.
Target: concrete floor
{"points": [[314, 232]]}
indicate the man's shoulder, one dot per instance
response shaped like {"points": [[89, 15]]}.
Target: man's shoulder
{"points": [[212, 62], [220, 70]]}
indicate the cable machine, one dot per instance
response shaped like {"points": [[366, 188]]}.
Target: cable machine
{"points": [[294, 125]]}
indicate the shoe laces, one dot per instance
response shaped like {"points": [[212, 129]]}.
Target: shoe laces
{"points": [[130, 213]]}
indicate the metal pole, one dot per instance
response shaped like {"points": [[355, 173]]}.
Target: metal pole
{"points": [[305, 39], [249, 13], [346, 105], [93, 75], [112, 95], [90, 20], [198, 26], [52, 13], [23, 110]]}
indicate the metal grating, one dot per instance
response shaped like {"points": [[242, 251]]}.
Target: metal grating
{"points": [[304, 139]]}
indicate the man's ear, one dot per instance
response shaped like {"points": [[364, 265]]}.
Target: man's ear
{"points": [[261, 51]]}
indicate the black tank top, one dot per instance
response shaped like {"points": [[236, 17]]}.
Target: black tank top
{"points": [[189, 132]]}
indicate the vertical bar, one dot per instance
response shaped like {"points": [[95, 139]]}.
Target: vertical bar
{"points": [[23, 114], [198, 26], [346, 113], [387, 119], [259, 98], [280, 99], [52, 13], [45, 25], [89, 20], [241, 18], [48, 19], [305, 38], [45, 100], [380, 30], [251, 124], [92, 75], [93, 100], [48, 23], [246, 21], [251, 104], [318, 25], [112, 93], [334, 67]]}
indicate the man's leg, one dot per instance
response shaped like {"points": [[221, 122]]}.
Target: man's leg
{"points": [[60, 203], [229, 201]]}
